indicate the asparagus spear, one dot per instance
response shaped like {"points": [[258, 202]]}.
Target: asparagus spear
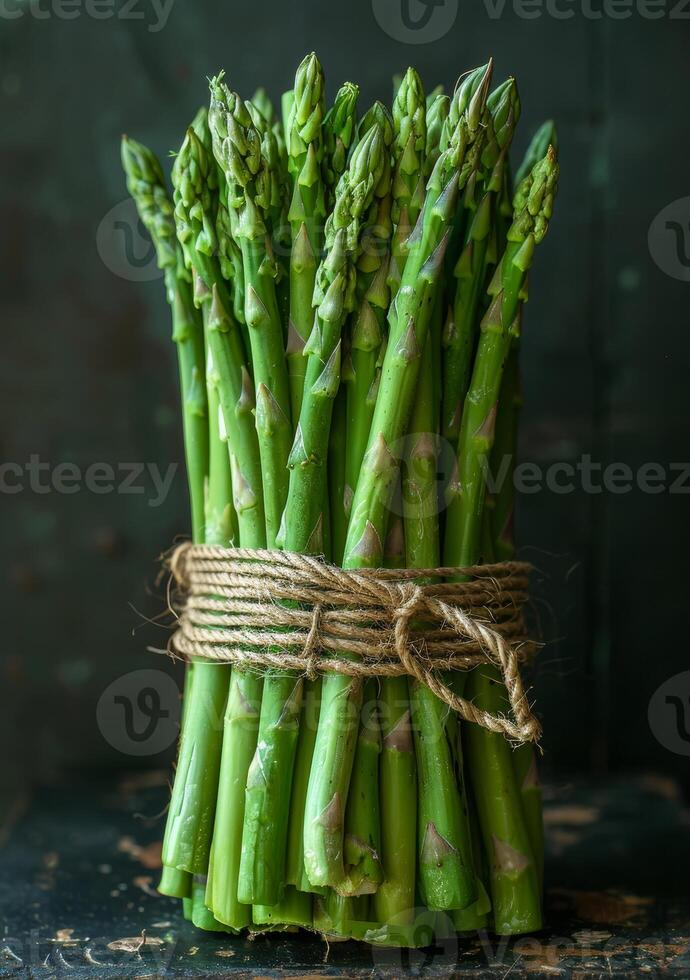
{"points": [[337, 448], [408, 320], [409, 116], [146, 184], [262, 874], [306, 215], [240, 724], [514, 884], [397, 766], [447, 879], [470, 269], [255, 197], [219, 530], [334, 748], [437, 111], [392, 901], [436, 115], [477, 915], [339, 132], [188, 832], [368, 323], [248, 170], [286, 100], [194, 213], [542, 139], [186, 850], [334, 297], [362, 842], [524, 756], [505, 448]]}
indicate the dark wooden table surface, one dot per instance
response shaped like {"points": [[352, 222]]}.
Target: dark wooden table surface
{"points": [[79, 866]]}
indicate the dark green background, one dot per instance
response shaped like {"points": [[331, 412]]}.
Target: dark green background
{"points": [[88, 370]]}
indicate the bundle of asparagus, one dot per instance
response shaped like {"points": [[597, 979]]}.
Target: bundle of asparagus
{"points": [[345, 296]]}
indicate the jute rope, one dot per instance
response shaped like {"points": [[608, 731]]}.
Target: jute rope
{"points": [[277, 610]]}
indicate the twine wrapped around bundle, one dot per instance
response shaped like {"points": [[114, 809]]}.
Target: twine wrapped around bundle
{"points": [[281, 611]]}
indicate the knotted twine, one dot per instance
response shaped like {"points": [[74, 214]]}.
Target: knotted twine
{"points": [[363, 623]]}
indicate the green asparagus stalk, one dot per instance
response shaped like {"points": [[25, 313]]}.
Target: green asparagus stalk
{"points": [[296, 874], [503, 456], [470, 270], [188, 831], [220, 513], [220, 530], [542, 139], [504, 451], [409, 116], [410, 315], [187, 839], [337, 448], [514, 883], [394, 900], [533, 204], [363, 870], [334, 296], [466, 84], [194, 207], [230, 258], [240, 724], [437, 112], [368, 324], [236, 396], [286, 100], [447, 879], [146, 184], [477, 915], [502, 107], [436, 115], [268, 791], [339, 132], [409, 320], [187, 852], [529, 785], [274, 152], [307, 213], [201, 915], [245, 155]]}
